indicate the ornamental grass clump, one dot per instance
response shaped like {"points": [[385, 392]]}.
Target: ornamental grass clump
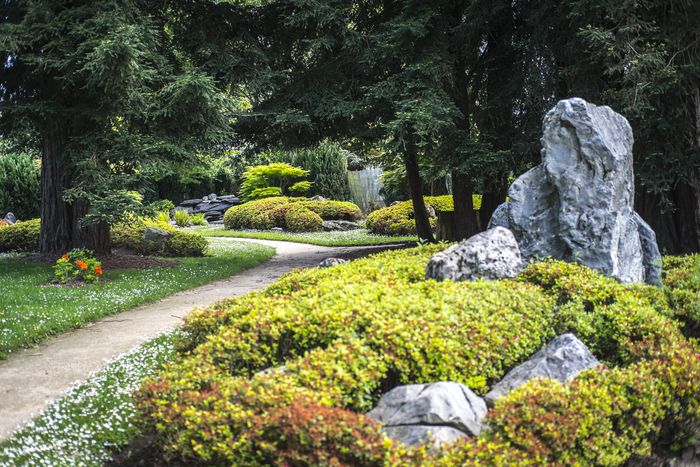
{"points": [[78, 265]]}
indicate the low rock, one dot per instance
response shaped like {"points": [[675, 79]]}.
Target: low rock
{"points": [[562, 359], [492, 254], [430, 210], [340, 226], [212, 197], [277, 229], [190, 203], [212, 206], [317, 198], [10, 218], [330, 262], [449, 410], [157, 236]]}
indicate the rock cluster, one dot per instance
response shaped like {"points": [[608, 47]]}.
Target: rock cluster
{"points": [[330, 262], [577, 205], [340, 226], [213, 207], [492, 254]]}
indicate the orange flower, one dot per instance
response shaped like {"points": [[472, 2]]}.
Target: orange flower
{"points": [[81, 264], [65, 257], [98, 270]]}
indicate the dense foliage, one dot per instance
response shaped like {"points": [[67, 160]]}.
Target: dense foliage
{"points": [[129, 234], [340, 338], [276, 179], [19, 185], [327, 164], [294, 214], [22, 236], [399, 220]]}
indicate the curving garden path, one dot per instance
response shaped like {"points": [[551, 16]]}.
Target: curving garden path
{"points": [[31, 378]]}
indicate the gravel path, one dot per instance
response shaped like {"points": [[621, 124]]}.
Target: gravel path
{"points": [[31, 378]]}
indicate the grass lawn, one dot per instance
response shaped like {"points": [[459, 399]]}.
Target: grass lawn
{"points": [[93, 417], [358, 237], [30, 312]]}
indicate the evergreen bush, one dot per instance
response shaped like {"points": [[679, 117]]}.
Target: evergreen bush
{"points": [[327, 164], [19, 185]]}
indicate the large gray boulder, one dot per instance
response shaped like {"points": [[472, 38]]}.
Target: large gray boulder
{"points": [[159, 237], [577, 205], [435, 412], [492, 254], [562, 359]]}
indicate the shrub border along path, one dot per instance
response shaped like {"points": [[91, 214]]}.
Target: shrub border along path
{"points": [[31, 378]]}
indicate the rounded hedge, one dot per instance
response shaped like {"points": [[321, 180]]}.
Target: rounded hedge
{"points": [[129, 234], [254, 370], [399, 220], [294, 214], [22, 236]]}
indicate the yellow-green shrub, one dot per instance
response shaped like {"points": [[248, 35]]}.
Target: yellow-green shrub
{"points": [[399, 220], [295, 214], [22, 236], [681, 277], [341, 337], [130, 234]]}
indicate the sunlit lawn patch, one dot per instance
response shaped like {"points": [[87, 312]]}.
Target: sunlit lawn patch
{"points": [[29, 311]]}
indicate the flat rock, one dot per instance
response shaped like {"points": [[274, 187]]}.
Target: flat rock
{"points": [[415, 435], [562, 359], [340, 226], [492, 254], [577, 205], [330, 262], [407, 413]]}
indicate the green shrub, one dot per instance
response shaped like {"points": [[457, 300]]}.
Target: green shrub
{"points": [[339, 338], [158, 207], [270, 180], [181, 218], [299, 218], [398, 219], [22, 236], [130, 234], [681, 277], [288, 213], [198, 219], [19, 185]]}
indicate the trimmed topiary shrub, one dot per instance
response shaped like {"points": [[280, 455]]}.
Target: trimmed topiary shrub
{"points": [[333, 341], [22, 236], [294, 214], [129, 234], [276, 179], [398, 219]]}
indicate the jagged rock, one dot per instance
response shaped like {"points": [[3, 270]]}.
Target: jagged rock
{"points": [[190, 203], [577, 205], [499, 218], [10, 218], [212, 206], [430, 210], [562, 359], [318, 198], [492, 254], [330, 262], [157, 236], [408, 413], [212, 197], [650, 252], [340, 226]]}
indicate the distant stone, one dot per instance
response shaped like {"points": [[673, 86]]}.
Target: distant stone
{"points": [[492, 254], [430, 210], [10, 218], [340, 226], [330, 262], [212, 197], [562, 359], [395, 203], [318, 198], [159, 237], [190, 203], [408, 413], [577, 205], [277, 229]]}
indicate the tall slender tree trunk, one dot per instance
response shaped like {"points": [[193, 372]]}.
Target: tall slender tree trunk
{"points": [[95, 237], [55, 236], [415, 187]]}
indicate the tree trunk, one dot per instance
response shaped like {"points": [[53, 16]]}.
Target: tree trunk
{"points": [[95, 237], [420, 213], [55, 236], [465, 224], [490, 200]]}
